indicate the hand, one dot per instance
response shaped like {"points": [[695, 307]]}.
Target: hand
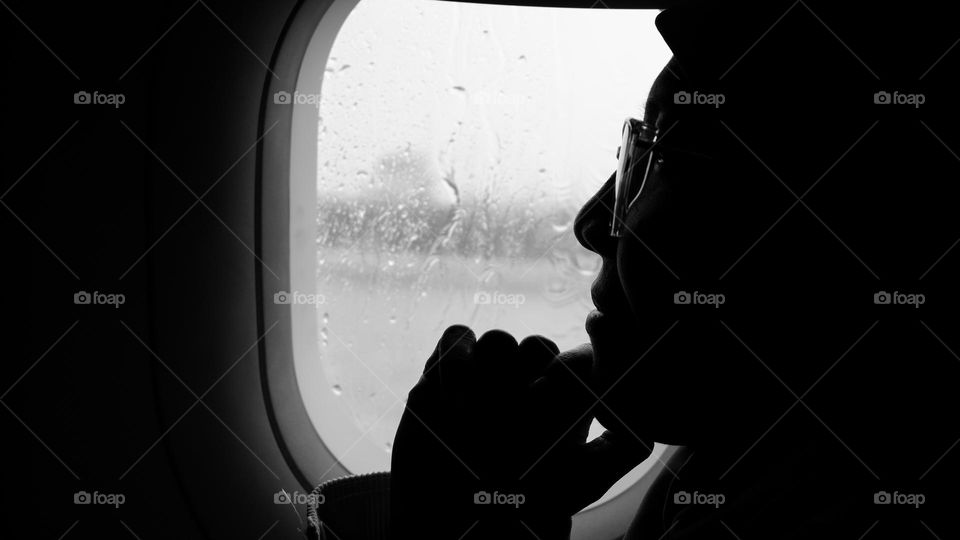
{"points": [[493, 416]]}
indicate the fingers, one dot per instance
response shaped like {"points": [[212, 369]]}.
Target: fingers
{"points": [[454, 353], [564, 396], [579, 361], [495, 360], [579, 367], [569, 374], [535, 354]]}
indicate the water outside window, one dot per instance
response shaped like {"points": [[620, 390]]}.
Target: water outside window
{"points": [[457, 143]]}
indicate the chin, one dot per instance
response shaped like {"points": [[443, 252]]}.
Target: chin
{"points": [[614, 351]]}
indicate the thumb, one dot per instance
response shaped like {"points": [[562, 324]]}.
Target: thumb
{"points": [[563, 395]]}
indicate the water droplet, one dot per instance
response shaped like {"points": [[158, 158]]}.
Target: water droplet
{"points": [[490, 277], [388, 447], [337, 390], [561, 221], [556, 286], [430, 263]]}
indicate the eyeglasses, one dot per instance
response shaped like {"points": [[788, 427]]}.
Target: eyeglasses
{"points": [[635, 158], [639, 150]]}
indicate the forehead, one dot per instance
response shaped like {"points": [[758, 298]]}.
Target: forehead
{"points": [[690, 127], [660, 108]]}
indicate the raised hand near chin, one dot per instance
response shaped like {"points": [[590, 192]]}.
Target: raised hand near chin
{"points": [[494, 436]]}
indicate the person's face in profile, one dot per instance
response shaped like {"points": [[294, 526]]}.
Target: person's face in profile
{"points": [[679, 227]]}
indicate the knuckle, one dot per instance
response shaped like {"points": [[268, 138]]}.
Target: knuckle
{"points": [[497, 340], [455, 335], [537, 341]]}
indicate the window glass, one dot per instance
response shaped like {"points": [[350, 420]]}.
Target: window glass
{"points": [[456, 144]]}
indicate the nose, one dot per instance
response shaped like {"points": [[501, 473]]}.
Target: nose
{"points": [[592, 224]]}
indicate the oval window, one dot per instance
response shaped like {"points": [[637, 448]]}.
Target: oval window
{"points": [[456, 144]]}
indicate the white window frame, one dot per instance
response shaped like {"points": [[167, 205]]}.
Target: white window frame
{"points": [[286, 184]]}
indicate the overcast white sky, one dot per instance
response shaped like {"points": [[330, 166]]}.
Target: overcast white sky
{"points": [[528, 101]]}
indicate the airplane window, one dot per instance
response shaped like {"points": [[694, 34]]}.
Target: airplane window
{"points": [[456, 144]]}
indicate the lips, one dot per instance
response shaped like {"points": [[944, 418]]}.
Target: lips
{"points": [[598, 301], [613, 338], [608, 335], [610, 302], [594, 319], [607, 291]]}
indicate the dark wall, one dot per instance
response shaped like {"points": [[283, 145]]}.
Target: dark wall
{"points": [[103, 398], [102, 198]]}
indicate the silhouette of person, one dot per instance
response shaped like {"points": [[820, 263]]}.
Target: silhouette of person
{"points": [[777, 304]]}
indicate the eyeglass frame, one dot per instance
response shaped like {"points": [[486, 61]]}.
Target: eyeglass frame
{"points": [[636, 135]]}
